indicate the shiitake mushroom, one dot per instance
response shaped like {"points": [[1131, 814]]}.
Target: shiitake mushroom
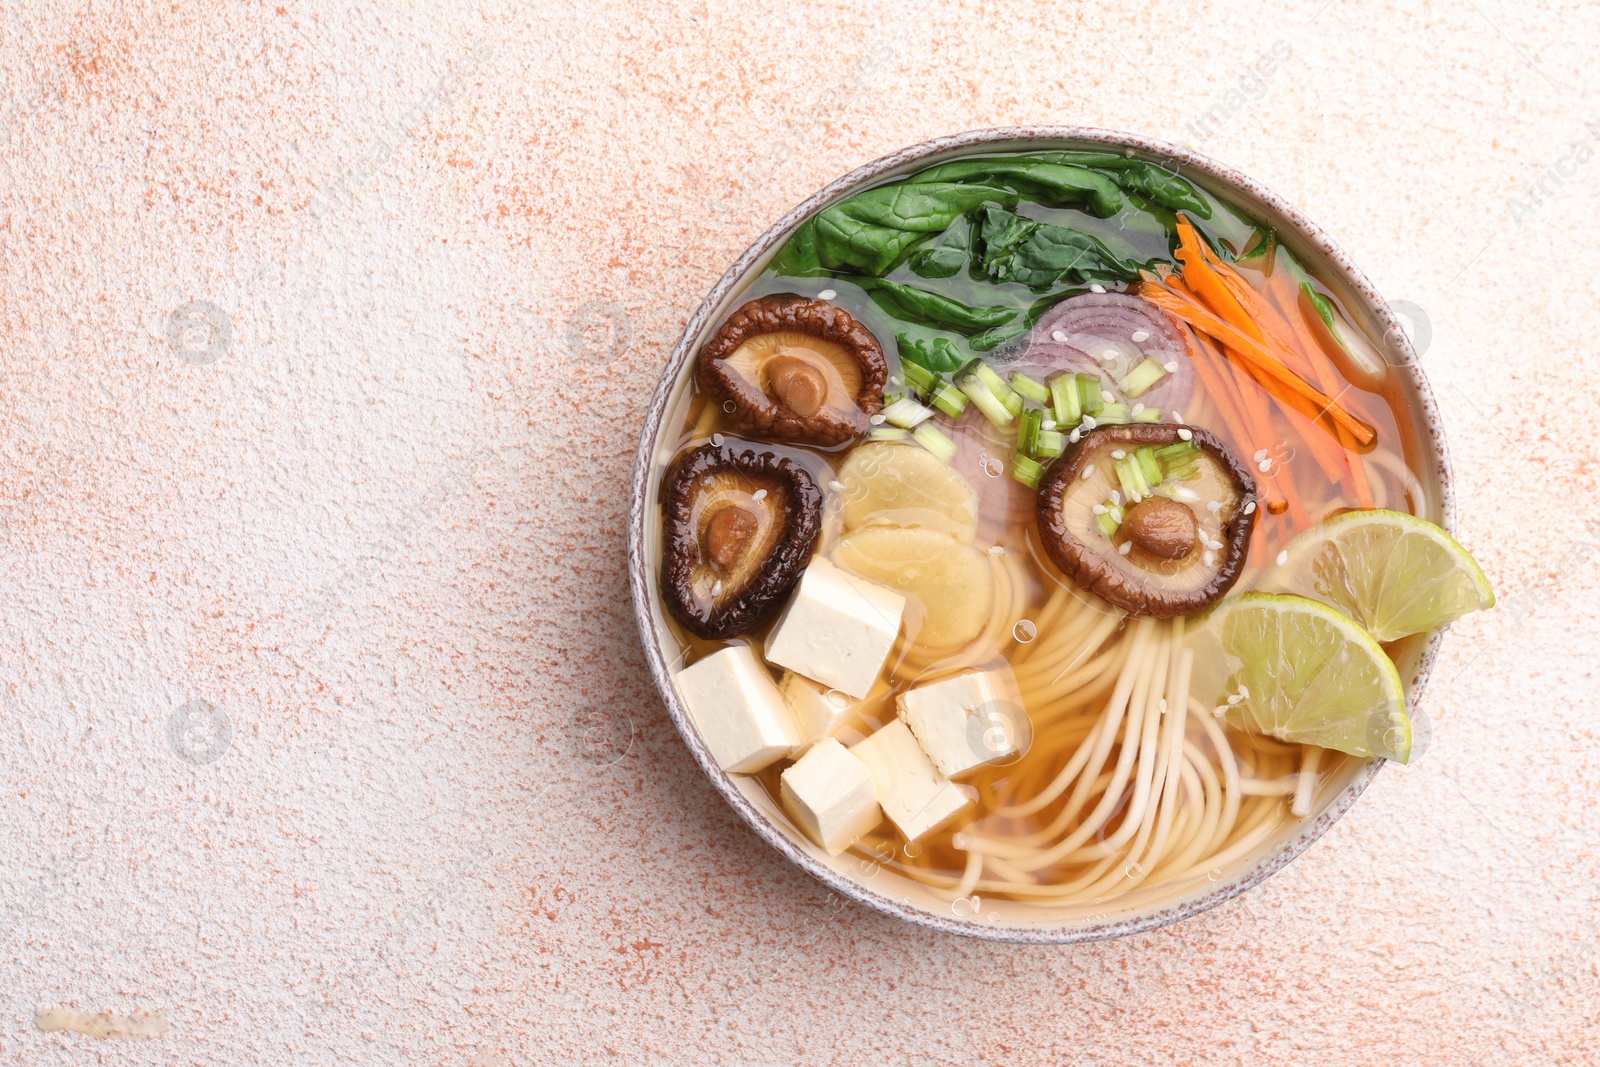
{"points": [[738, 530], [793, 368], [1176, 550]]}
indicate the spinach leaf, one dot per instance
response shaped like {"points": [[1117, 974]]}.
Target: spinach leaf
{"points": [[1050, 182], [941, 261], [936, 354], [798, 259], [1136, 176], [989, 340], [871, 231], [919, 305], [1038, 254]]}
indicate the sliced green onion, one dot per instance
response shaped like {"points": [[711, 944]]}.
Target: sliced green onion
{"points": [[980, 394], [1089, 395], [1027, 471], [1113, 415], [1051, 443], [1134, 487], [986, 374], [907, 413], [929, 436], [1140, 379], [1148, 415], [888, 433], [1028, 431], [1034, 391], [1107, 524], [919, 378], [950, 400], [1064, 397], [1148, 467], [1176, 451]]}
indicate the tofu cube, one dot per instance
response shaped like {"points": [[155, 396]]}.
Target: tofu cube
{"points": [[964, 721], [915, 796], [830, 795], [837, 629], [818, 711], [738, 709]]}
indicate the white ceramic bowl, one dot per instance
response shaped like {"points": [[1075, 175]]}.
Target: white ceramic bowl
{"points": [[865, 880]]}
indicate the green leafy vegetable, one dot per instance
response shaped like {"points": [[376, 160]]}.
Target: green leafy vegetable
{"points": [[1050, 182], [919, 305], [989, 340], [870, 232], [1138, 176], [942, 261], [1038, 254], [936, 354]]}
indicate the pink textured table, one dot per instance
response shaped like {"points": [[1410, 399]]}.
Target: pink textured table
{"points": [[325, 336]]}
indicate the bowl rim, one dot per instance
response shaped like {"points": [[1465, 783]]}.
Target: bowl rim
{"points": [[1234, 182]]}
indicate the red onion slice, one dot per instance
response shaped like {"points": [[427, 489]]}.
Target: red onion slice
{"points": [[1110, 334]]}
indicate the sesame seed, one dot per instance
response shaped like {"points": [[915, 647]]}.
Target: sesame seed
{"points": [[1088, 472], [1185, 434], [1171, 366], [1100, 509], [827, 294], [1117, 453], [1209, 559], [1058, 336], [996, 550], [759, 494], [1234, 698], [1140, 335], [1048, 424], [716, 590], [1260, 455], [1250, 507], [1125, 547], [1283, 557], [1116, 497], [1136, 409], [1215, 505], [878, 420], [1110, 353], [716, 439], [1264, 466], [1074, 436], [1088, 423], [1097, 288], [1244, 692], [1177, 416], [836, 485]]}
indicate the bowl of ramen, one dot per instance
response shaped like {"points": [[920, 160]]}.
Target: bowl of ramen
{"points": [[1041, 534]]}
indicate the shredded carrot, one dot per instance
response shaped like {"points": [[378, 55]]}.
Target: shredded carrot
{"points": [[1204, 281], [1333, 456], [1257, 358], [1227, 379]]}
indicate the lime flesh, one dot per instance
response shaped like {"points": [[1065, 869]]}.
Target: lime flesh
{"points": [[1393, 573], [1302, 672]]}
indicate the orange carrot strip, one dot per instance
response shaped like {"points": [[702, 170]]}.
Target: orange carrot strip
{"points": [[1206, 283], [1265, 367]]}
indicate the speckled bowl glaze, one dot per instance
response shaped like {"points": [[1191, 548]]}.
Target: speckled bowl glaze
{"points": [[864, 881]]}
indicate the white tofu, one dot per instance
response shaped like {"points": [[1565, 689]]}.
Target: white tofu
{"points": [[831, 796], [738, 709], [837, 629], [964, 721], [818, 711], [915, 796]]}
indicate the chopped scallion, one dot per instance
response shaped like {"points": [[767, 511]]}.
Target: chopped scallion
{"points": [[950, 400], [1148, 415], [1064, 396], [1141, 378], [1148, 467], [1034, 391], [919, 378], [1051, 443], [1028, 431], [1114, 415], [907, 413], [1107, 524], [1089, 395], [988, 403], [888, 433], [1027, 471], [930, 437]]}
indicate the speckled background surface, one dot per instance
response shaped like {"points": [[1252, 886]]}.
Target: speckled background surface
{"points": [[325, 333]]}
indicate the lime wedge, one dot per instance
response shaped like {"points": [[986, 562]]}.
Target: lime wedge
{"points": [[1300, 671], [1393, 573]]}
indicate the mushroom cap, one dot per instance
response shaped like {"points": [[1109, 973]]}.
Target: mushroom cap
{"points": [[1135, 580], [833, 370], [763, 551]]}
